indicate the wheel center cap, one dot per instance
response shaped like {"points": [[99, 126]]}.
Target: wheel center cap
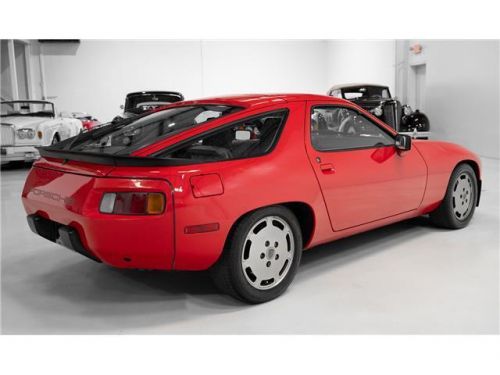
{"points": [[270, 253]]}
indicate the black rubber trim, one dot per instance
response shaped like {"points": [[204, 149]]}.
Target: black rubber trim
{"points": [[106, 159], [60, 234]]}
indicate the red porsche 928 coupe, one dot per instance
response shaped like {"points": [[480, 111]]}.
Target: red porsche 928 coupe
{"points": [[241, 185]]}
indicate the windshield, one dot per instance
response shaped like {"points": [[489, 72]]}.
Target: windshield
{"points": [[145, 102], [129, 135], [366, 92], [27, 108]]}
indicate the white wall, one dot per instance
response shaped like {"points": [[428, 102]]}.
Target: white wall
{"points": [[235, 67], [462, 93], [367, 61], [95, 76]]}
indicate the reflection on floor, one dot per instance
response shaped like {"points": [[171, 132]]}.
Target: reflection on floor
{"points": [[405, 278]]}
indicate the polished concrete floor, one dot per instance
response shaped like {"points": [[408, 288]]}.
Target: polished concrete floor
{"points": [[405, 278]]}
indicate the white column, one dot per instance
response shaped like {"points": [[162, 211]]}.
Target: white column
{"points": [[13, 70], [29, 71], [42, 73]]}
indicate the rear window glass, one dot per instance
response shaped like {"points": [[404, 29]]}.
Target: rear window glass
{"points": [[248, 138], [132, 134]]}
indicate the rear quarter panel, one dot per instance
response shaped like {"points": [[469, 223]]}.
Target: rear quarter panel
{"points": [[284, 175]]}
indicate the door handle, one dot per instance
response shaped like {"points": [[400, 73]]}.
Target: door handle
{"points": [[327, 168]]}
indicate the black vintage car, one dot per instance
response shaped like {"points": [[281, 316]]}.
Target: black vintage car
{"points": [[377, 99], [139, 102]]}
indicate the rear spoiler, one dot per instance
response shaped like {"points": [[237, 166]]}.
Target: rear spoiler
{"points": [[107, 159]]}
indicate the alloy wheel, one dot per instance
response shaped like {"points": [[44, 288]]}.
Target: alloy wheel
{"points": [[268, 252], [462, 196]]}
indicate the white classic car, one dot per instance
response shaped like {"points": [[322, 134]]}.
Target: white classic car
{"points": [[27, 124]]}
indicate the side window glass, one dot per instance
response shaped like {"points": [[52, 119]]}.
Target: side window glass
{"points": [[248, 138], [338, 128], [336, 94]]}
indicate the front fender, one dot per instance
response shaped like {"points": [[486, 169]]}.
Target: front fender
{"points": [[441, 159]]}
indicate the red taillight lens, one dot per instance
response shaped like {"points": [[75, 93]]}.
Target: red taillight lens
{"points": [[133, 203]]}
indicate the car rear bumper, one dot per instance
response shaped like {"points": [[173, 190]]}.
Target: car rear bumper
{"points": [[18, 153], [64, 208], [62, 234]]}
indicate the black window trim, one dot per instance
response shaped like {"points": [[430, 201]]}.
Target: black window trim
{"points": [[197, 137], [359, 113], [149, 160], [108, 128]]}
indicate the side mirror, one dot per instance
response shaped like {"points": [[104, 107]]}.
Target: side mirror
{"points": [[122, 106], [403, 142]]}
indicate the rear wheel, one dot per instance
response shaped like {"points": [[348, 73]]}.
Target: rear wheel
{"points": [[457, 208], [261, 257]]}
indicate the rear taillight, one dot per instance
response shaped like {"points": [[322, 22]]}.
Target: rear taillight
{"points": [[132, 203]]}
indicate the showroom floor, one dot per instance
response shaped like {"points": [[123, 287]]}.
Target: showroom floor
{"points": [[405, 278]]}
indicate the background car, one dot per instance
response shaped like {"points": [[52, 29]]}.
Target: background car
{"points": [[137, 103], [27, 124], [377, 99], [240, 186], [88, 121]]}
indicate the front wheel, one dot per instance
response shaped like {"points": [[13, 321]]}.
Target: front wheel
{"points": [[457, 208], [261, 256]]}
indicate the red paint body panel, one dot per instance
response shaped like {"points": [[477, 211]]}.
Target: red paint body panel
{"points": [[206, 185], [89, 124], [441, 159], [356, 191], [119, 240], [368, 184]]}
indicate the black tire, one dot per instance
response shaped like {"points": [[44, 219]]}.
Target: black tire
{"points": [[14, 164], [445, 216], [56, 139], [228, 273]]}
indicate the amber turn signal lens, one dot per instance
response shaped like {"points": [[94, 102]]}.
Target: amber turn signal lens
{"points": [[155, 204]]}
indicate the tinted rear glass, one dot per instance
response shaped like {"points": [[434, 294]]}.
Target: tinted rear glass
{"points": [[129, 135]]}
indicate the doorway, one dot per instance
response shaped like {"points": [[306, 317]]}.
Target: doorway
{"points": [[418, 73]]}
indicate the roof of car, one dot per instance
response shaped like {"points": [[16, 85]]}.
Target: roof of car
{"points": [[346, 85], [155, 92], [261, 100]]}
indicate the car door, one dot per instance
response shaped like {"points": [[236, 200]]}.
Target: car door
{"points": [[363, 177]]}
